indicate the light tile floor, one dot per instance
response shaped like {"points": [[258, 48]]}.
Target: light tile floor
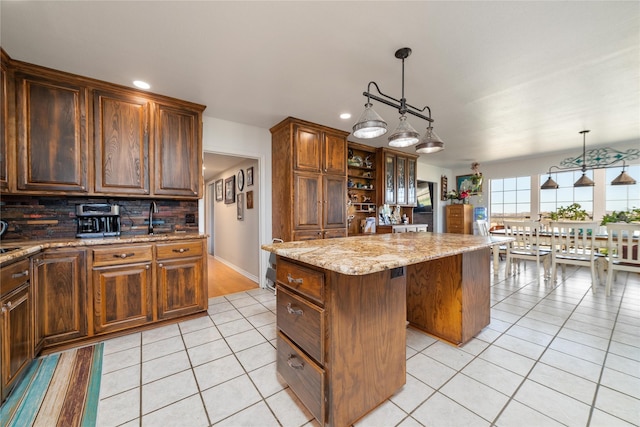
{"points": [[554, 354]]}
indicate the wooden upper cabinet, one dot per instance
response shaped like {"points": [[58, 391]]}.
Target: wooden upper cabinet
{"points": [[307, 148], [334, 154], [121, 138], [4, 125], [52, 137], [178, 151]]}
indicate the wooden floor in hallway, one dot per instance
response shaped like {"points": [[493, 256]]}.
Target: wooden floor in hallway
{"points": [[223, 280]]}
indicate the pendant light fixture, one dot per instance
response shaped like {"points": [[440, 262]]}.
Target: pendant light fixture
{"points": [[584, 180], [599, 158], [371, 125]]}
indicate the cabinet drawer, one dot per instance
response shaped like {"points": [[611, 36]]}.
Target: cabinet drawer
{"points": [[121, 255], [304, 377], [14, 275], [182, 249], [303, 322], [304, 280]]}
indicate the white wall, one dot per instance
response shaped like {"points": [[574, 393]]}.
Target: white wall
{"points": [[225, 137], [236, 242]]}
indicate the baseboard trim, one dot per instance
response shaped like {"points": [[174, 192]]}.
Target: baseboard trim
{"points": [[238, 270]]}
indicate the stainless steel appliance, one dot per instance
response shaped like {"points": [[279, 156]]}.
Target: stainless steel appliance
{"points": [[98, 220]]}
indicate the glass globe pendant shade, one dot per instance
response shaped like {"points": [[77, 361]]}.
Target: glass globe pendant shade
{"points": [[430, 142], [370, 124], [404, 135]]}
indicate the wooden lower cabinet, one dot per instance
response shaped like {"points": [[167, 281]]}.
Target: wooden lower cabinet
{"points": [[16, 337], [341, 339], [122, 287], [459, 219], [60, 295], [180, 269]]}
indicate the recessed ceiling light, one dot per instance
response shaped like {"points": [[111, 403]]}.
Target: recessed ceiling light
{"points": [[141, 84], [345, 116]]}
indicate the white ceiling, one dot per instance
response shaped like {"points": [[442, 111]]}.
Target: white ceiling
{"points": [[504, 80]]}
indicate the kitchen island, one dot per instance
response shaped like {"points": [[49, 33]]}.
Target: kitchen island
{"points": [[343, 304]]}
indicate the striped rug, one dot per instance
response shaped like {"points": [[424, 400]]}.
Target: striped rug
{"points": [[60, 389]]}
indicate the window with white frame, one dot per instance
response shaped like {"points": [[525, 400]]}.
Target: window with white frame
{"points": [[510, 199], [622, 197], [566, 194]]}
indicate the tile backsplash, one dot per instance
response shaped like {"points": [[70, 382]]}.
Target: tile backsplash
{"points": [[36, 218]]}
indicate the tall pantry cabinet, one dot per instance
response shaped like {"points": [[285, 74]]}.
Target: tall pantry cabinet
{"points": [[309, 181]]}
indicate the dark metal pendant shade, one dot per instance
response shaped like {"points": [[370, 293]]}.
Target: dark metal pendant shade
{"points": [[623, 179], [584, 181], [549, 184]]}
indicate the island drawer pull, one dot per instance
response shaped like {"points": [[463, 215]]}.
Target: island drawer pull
{"points": [[292, 280], [123, 256], [292, 310], [21, 274], [181, 250], [290, 362]]}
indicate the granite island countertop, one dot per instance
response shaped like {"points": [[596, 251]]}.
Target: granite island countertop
{"points": [[30, 247], [359, 255]]}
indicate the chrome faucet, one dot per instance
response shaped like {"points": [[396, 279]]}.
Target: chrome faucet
{"points": [[153, 208]]}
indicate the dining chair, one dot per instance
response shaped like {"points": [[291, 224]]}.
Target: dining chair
{"points": [[526, 245], [622, 250], [573, 243]]}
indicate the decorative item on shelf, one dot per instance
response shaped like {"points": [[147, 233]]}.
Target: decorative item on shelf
{"points": [[368, 163], [597, 158], [350, 183], [371, 125], [366, 175], [461, 197], [366, 199], [354, 160]]}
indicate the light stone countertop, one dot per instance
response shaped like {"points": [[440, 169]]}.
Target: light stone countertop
{"points": [[30, 247], [361, 255]]}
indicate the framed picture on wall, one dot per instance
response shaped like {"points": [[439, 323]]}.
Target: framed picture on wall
{"points": [[250, 176], [219, 193], [240, 207], [470, 183], [249, 199], [230, 190]]}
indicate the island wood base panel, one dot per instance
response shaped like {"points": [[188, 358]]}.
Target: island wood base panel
{"points": [[450, 297], [364, 352]]}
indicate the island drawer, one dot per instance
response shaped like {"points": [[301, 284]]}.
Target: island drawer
{"points": [[129, 254], [303, 322], [304, 377], [14, 275], [181, 249], [306, 281]]}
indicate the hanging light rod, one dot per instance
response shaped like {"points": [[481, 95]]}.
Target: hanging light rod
{"points": [[371, 125], [598, 158]]}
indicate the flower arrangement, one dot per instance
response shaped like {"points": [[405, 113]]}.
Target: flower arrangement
{"points": [[460, 196]]}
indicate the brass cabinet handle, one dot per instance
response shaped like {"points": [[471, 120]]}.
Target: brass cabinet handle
{"points": [[9, 304], [290, 362], [292, 280], [292, 310], [21, 274], [161, 265], [181, 250], [123, 256]]}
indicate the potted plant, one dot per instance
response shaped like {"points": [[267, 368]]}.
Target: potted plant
{"points": [[631, 215], [573, 212]]}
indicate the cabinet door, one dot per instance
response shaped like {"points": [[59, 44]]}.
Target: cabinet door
{"points": [[306, 148], [60, 283], [17, 338], [4, 127], [121, 137], [178, 152], [122, 297], [307, 201], [401, 181], [335, 154], [411, 183], [389, 179], [334, 201], [180, 289], [52, 139]]}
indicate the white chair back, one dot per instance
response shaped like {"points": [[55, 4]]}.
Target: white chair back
{"points": [[526, 235], [573, 243], [623, 252], [483, 227]]}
